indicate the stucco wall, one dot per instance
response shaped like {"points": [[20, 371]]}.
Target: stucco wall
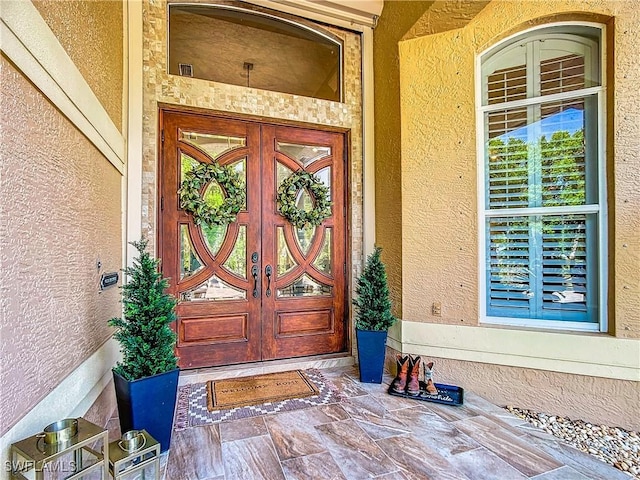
{"points": [[396, 19], [91, 32], [439, 170], [60, 212]]}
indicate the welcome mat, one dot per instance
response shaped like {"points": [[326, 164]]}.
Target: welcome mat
{"points": [[192, 408], [257, 389]]}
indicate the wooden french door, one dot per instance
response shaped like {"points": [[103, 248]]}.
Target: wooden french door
{"points": [[258, 288]]}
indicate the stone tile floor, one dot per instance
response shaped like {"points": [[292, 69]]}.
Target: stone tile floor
{"points": [[375, 435]]}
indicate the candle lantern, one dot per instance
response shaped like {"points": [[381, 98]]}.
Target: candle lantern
{"points": [[71, 448], [135, 456]]}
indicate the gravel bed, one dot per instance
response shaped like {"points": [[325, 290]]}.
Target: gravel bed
{"points": [[616, 446]]}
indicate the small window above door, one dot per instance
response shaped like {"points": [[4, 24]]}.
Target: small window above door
{"points": [[233, 45]]}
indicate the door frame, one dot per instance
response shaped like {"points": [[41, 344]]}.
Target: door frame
{"points": [[223, 115]]}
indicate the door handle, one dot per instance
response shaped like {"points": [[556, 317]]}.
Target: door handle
{"points": [[268, 271], [254, 273]]}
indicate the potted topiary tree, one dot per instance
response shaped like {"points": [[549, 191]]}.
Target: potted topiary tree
{"points": [[146, 379], [373, 318]]}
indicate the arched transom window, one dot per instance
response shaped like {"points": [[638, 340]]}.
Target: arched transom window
{"points": [[254, 48]]}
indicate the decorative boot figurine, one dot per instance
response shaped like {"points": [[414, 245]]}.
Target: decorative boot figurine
{"points": [[413, 385], [399, 383], [428, 379]]}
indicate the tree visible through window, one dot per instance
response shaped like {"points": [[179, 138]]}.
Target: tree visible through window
{"points": [[542, 187]]}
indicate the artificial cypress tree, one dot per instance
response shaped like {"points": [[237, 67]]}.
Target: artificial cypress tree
{"points": [[372, 302], [146, 340]]}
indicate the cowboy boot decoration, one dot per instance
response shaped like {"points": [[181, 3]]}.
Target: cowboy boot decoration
{"points": [[428, 379], [413, 384], [399, 383]]}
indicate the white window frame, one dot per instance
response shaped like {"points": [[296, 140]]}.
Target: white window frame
{"points": [[600, 208]]}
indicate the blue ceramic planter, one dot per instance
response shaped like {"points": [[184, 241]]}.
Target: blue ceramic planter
{"points": [[148, 403], [371, 350]]}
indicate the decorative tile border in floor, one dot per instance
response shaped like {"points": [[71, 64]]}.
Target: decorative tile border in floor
{"points": [[192, 404]]}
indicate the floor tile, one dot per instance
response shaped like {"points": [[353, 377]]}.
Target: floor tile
{"points": [[251, 458], [481, 464], [512, 449], [563, 473], [392, 402], [294, 433], [347, 386], [417, 461], [399, 475], [452, 413], [440, 435], [243, 428], [357, 455], [373, 417], [372, 434], [321, 466], [586, 464], [195, 454]]}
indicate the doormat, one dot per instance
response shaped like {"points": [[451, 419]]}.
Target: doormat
{"points": [[193, 401], [257, 389]]}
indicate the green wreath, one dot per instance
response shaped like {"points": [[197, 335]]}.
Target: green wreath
{"points": [[192, 202], [288, 192]]}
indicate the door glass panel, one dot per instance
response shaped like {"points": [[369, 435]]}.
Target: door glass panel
{"points": [[241, 167], [213, 289], [323, 260], [304, 286], [283, 172], [237, 261], [285, 260], [324, 175], [213, 145], [303, 154], [186, 165], [213, 237], [304, 236], [190, 263], [213, 195]]}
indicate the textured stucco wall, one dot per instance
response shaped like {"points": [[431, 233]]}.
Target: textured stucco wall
{"points": [[92, 33], [439, 172], [60, 212], [396, 19]]}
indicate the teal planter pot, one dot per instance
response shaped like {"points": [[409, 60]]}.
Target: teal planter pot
{"points": [[148, 403], [371, 351]]}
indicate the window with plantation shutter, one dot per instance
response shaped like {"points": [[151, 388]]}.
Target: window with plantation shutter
{"points": [[543, 207]]}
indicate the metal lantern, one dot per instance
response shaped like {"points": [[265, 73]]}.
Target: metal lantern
{"points": [[135, 456], [71, 448]]}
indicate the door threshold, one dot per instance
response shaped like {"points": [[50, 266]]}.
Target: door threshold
{"points": [[200, 375]]}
